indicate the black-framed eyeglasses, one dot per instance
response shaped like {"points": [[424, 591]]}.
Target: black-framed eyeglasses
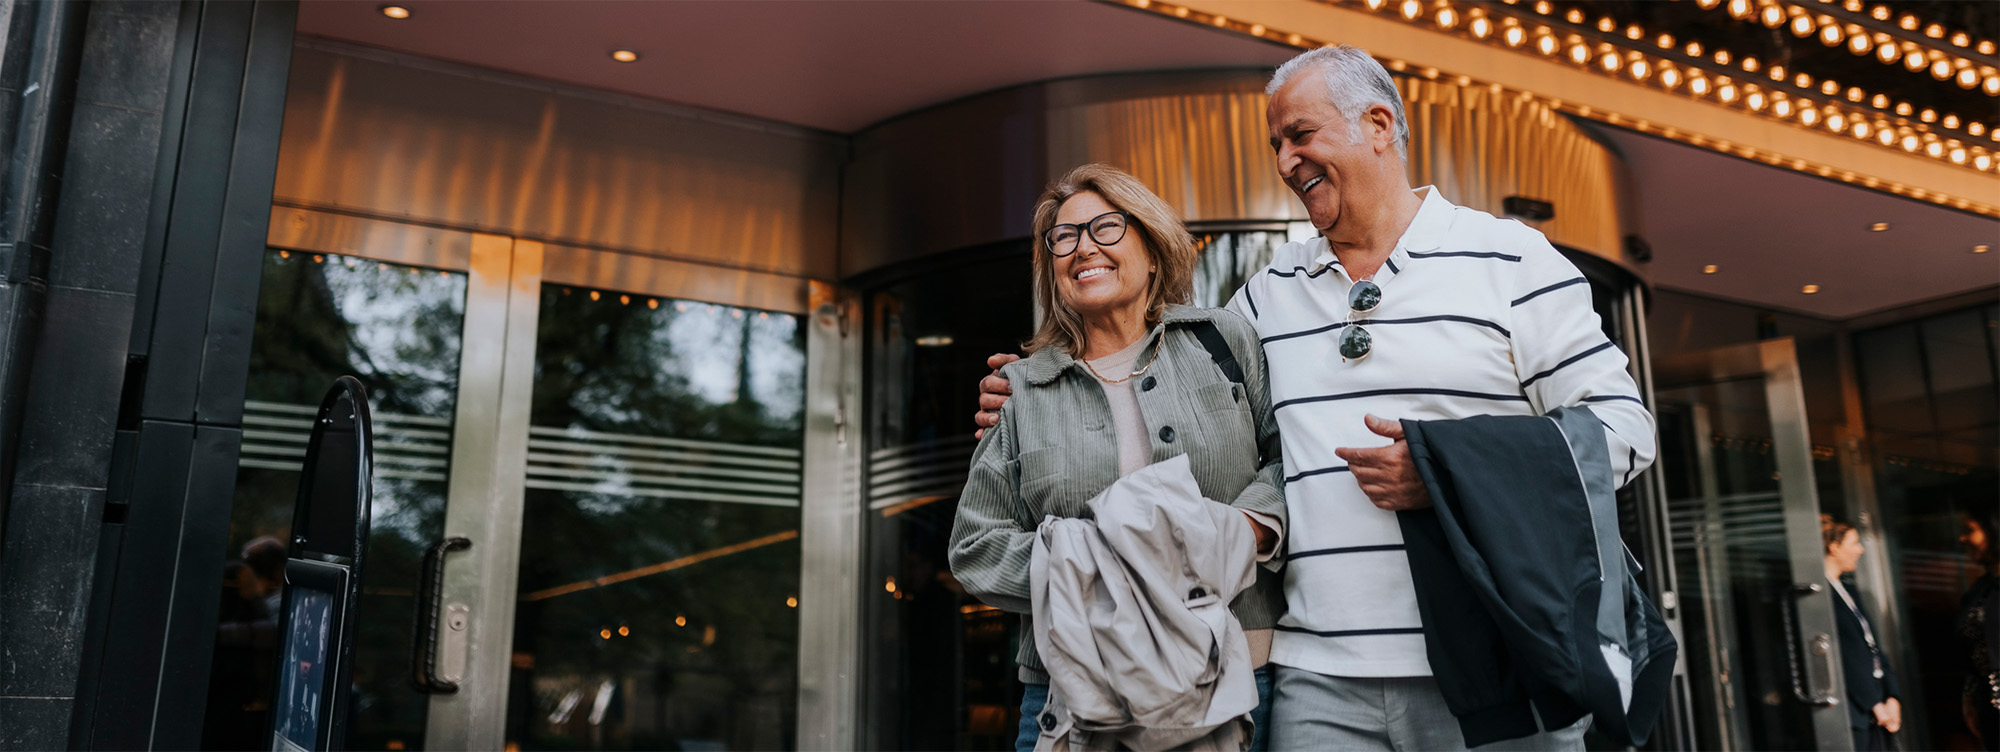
{"points": [[1105, 229], [1356, 343]]}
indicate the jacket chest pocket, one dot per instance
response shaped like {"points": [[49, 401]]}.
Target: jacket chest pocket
{"points": [[1224, 411], [1048, 485]]}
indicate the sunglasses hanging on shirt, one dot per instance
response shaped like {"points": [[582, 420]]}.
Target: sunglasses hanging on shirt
{"points": [[1355, 342]]}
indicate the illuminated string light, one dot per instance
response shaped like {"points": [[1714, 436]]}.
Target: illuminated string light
{"points": [[1795, 15]]}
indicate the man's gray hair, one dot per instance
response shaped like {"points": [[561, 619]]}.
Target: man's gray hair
{"points": [[1354, 83]]}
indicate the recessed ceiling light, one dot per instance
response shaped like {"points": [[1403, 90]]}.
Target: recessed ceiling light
{"points": [[1879, 226], [1710, 269], [395, 11], [625, 56], [1981, 248], [1809, 289], [935, 340]]}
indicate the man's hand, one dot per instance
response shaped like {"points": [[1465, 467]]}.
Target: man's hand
{"points": [[993, 392], [1387, 474], [1889, 715]]}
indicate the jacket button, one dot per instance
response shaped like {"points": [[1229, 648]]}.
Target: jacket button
{"points": [[1048, 721], [1167, 434], [1195, 593], [1148, 384]]}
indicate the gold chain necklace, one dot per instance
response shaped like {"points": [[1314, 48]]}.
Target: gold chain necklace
{"points": [[1134, 374]]}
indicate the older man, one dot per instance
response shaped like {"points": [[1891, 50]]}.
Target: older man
{"points": [[1406, 306]]}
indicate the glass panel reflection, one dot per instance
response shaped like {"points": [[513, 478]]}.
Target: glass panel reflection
{"points": [[939, 665], [1933, 413], [659, 554], [1730, 550], [1228, 259], [397, 328]]}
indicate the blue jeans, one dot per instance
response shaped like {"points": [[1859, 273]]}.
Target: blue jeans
{"points": [[1034, 697]]}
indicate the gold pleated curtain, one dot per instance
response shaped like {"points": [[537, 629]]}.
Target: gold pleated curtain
{"points": [[1209, 156]]}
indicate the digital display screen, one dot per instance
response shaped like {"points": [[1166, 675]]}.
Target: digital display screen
{"points": [[302, 677]]}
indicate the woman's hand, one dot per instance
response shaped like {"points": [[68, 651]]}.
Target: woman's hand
{"points": [[1266, 537], [1889, 715]]}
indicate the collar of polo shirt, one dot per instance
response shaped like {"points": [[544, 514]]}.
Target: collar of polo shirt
{"points": [[1425, 233]]}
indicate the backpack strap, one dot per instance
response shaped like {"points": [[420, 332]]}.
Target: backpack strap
{"points": [[1218, 349]]}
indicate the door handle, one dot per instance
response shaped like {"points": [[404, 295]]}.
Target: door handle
{"points": [[1821, 648], [430, 603]]}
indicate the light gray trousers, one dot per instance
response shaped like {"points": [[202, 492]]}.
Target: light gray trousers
{"points": [[1312, 711]]}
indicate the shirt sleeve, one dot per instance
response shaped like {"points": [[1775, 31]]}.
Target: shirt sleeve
{"points": [[1563, 358], [990, 549]]}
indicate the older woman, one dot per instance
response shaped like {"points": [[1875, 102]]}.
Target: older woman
{"points": [[1119, 377]]}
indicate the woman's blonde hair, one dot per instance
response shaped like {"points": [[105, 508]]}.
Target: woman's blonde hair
{"points": [[1156, 224]]}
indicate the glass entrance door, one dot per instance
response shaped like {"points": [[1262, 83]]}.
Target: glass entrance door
{"points": [[633, 579], [619, 440], [1757, 610]]}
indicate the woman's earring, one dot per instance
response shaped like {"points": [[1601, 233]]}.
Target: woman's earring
{"points": [[1154, 270]]}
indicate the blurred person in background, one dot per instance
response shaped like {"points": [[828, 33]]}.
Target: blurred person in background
{"points": [[1980, 699], [1873, 711]]}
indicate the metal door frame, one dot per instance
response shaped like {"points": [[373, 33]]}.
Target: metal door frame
{"points": [[486, 497], [1815, 640]]}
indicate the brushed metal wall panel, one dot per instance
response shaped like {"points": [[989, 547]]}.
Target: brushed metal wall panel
{"points": [[398, 242], [668, 278], [404, 138]]}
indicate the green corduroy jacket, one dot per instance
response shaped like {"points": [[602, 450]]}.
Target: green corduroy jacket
{"points": [[1055, 449]]}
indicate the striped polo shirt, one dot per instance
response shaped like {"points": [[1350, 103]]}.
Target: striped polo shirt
{"points": [[1479, 316]]}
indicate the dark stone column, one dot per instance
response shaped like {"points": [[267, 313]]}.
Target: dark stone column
{"points": [[142, 143], [86, 112]]}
